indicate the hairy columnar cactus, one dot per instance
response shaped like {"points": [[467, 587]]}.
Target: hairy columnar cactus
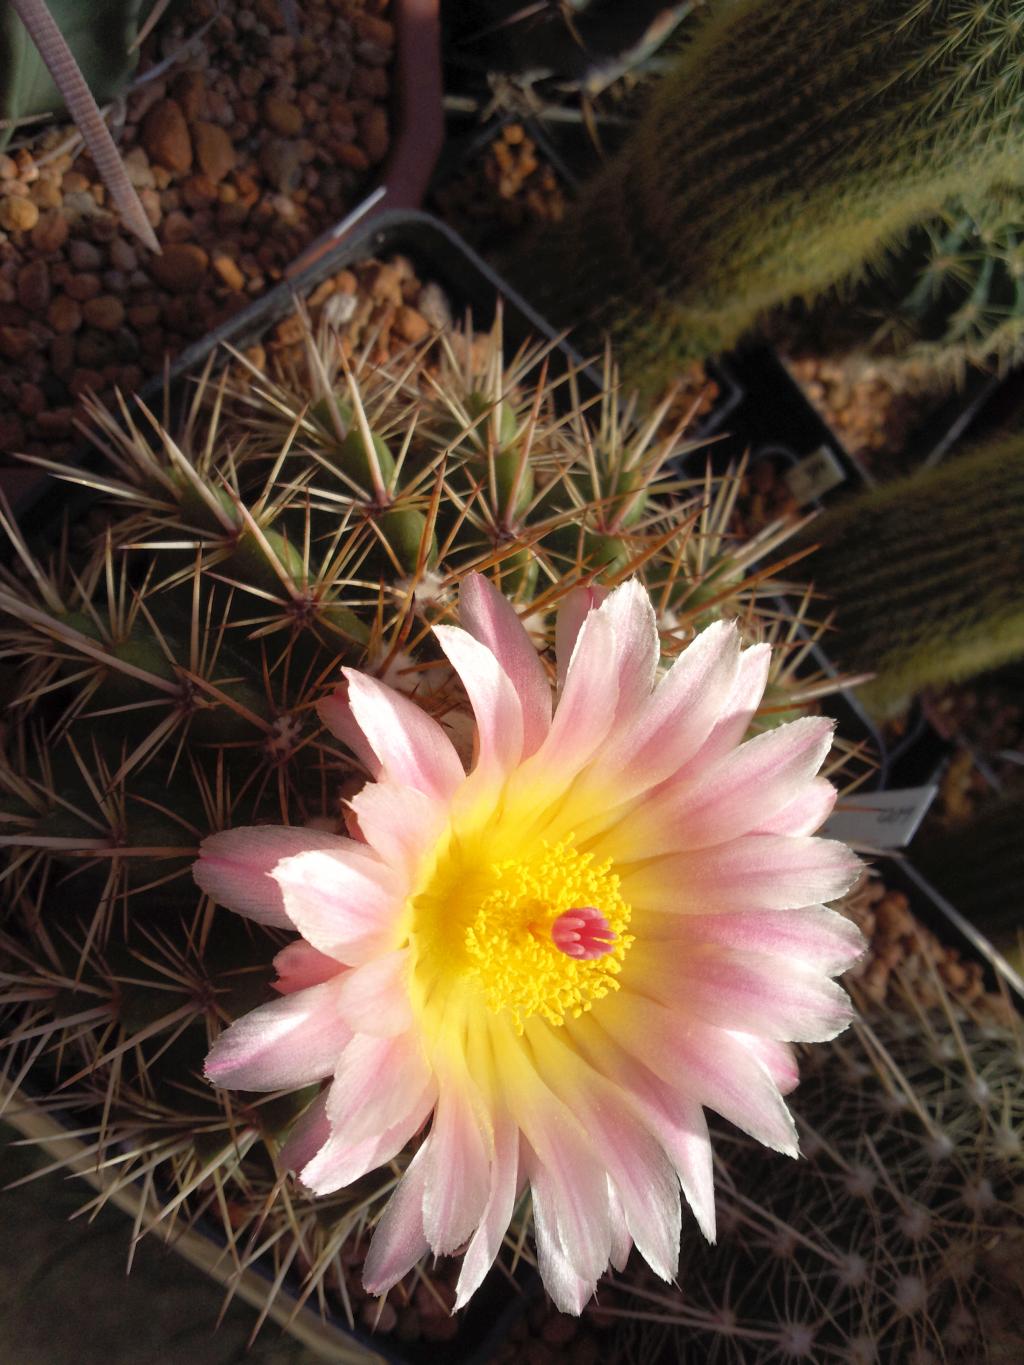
{"points": [[925, 573], [786, 148]]}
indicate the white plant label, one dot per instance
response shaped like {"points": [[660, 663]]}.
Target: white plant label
{"points": [[880, 820]]}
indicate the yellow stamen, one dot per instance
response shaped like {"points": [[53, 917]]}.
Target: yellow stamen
{"points": [[488, 926]]}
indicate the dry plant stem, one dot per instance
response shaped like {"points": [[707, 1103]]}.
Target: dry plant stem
{"points": [[68, 78]]}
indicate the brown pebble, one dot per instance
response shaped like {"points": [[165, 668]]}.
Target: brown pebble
{"points": [[34, 286], [57, 422], [178, 227], [250, 80], [142, 316], [75, 183], [374, 30], [374, 136], [83, 287], [281, 116], [214, 150], [351, 156], [228, 271], [16, 342], [85, 381], [280, 163], [49, 232], [122, 256], [189, 91], [18, 214], [198, 191], [12, 431], [181, 267], [411, 325], [31, 400], [62, 354], [46, 193], [84, 255], [105, 312], [165, 136], [8, 167], [64, 315]]}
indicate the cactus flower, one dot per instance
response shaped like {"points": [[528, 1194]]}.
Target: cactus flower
{"points": [[549, 966]]}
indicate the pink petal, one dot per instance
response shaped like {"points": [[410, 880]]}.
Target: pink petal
{"points": [[708, 1064], [745, 788], [371, 1130], [458, 1176], [569, 1286], [490, 618], [637, 647], [812, 937], [284, 1045], [343, 903], [572, 613], [738, 709], [807, 811], [674, 1119], [378, 1082], [398, 1240], [300, 965], [754, 872], [585, 710], [622, 1243], [374, 998], [400, 824], [777, 1058], [747, 991], [486, 1242], [574, 1180], [412, 748], [309, 1133], [677, 718], [495, 703], [641, 1175], [235, 868], [336, 715]]}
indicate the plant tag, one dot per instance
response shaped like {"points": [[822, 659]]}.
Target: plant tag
{"points": [[881, 820], [815, 475]]}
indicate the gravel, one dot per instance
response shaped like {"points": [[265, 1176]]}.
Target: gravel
{"points": [[245, 145]]}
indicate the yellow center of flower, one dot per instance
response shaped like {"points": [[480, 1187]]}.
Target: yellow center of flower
{"points": [[537, 934]]}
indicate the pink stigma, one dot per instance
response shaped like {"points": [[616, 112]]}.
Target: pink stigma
{"points": [[582, 932]]}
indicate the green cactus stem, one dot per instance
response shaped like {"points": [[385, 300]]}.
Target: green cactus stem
{"points": [[925, 574], [786, 148]]}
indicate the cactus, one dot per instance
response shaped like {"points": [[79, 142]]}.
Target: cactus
{"points": [[979, 864], [924, 573], [784, 151], [895, 1238], [161, 665], [952, 293]]}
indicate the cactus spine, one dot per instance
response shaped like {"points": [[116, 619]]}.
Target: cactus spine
{"points": [[925, 573], [787, 147]]}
